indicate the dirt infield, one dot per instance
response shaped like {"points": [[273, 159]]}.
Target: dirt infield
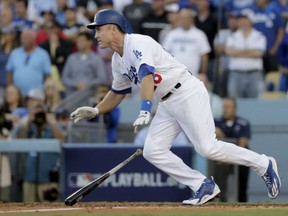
{"points": [[124, 208]]}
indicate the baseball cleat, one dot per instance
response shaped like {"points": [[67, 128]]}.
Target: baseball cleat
{"points": [[207, 191], [272, 179]]}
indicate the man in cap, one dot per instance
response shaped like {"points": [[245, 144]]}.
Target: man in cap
{"points": [[245, 49]]}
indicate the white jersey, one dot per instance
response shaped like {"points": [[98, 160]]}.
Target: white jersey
{"points": [[187, 46], [140, 49], [254, 41]]}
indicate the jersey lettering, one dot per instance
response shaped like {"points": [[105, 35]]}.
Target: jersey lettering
{"points": [[132, 75]]}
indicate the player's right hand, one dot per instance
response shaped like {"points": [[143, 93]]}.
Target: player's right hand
{"points": [[84, 112], [143, 118]]}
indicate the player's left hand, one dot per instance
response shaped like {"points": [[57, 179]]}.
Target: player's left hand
{"points": [[84, 112], [143, 118]]}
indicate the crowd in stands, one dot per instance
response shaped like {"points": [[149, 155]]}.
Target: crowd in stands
{"points": [[238, 48]]}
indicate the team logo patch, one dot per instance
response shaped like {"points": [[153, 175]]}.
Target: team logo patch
{"points": [[138, 54]]}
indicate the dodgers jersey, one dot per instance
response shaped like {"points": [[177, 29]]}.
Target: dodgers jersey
{"points": [[138, 50]]}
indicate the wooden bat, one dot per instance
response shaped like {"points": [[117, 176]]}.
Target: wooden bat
{"points": [[82, 192]]}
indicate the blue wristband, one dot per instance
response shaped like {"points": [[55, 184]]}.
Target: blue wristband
{"points": [[146, 105]]}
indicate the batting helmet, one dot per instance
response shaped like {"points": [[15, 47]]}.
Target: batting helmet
{"points": [[109, 16]]}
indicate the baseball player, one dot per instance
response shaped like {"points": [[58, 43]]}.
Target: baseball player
{"points": [[184, 105]]}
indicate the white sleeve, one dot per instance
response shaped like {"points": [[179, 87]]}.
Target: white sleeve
{"points": [[120, 82]]}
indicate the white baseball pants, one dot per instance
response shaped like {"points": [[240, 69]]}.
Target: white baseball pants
{"points": [[188, 109]]}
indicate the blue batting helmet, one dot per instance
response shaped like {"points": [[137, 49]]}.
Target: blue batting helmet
{"points": [[109, 16]]}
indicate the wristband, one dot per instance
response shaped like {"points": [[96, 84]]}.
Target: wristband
{"points": [[146, 105]]}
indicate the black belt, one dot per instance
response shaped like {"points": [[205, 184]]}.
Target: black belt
{"points": [[177, 86]]}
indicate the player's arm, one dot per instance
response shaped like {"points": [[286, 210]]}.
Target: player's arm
{"points": [[147, 87], [146, 74], [109, 102]]}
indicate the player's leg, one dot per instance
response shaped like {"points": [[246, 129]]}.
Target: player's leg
{"points": [[198, 123], [162, 131]]}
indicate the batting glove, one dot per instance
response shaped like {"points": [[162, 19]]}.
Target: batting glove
{"points": [[143, 118], [84, 112]]}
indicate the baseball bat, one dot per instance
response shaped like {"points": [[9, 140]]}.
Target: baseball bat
{"points": [[82, 192]]}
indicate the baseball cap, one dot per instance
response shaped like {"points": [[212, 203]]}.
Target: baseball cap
{"points": [[36, 94], [247, 14]]}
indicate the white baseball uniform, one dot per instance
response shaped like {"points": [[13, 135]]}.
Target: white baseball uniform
{"points": [[187, 108]]}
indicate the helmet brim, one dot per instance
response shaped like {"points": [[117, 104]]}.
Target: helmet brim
{"points": [[91, 25]]}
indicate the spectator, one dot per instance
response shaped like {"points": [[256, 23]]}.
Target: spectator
{"points": [[21, 20], [71, 27], [47, 16], [140, 138], [206, 22], [37, 7], [110, 119], [43, 35], [245, 49], [60, 11], [6, 18], [62, 5], [221, 73], [5, 170], [231, 126], [51, 94], [135, 12], [57, 46], [62, 117], [39, 166], [269, 22], [106, 55], [83, 68], [87, 8], [173, 17], [8, 43], [282, 6], [188, 44], [120, 4], [155, 21], [238, 5], [29, 65], [34, 97], [12, 101]]}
